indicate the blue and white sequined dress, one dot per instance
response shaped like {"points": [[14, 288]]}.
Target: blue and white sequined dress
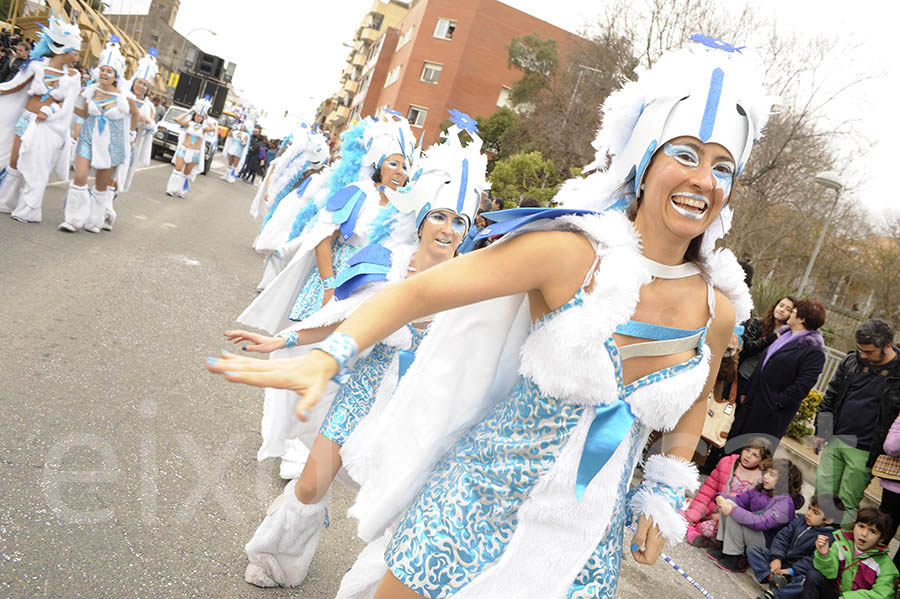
{"points": [[497, 515], [357, 395]]}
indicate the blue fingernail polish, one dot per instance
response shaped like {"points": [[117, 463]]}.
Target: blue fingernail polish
{"points": [[211, 360], [635, 548], [243, 348], [229, 373], [305, 413]]}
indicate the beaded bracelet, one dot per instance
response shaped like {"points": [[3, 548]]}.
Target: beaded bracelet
{"points": [[342, 348], [291, 339]]}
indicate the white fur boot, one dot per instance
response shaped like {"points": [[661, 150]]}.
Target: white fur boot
{"points": [[10, 190], [77, 208], [98, 211], [284, 544], [175, 186], [109, 206]]}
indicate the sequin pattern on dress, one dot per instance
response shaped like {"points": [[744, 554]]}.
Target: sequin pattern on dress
{"points": [[309, 300], [599, 578], [465, 515], [357, 395]]}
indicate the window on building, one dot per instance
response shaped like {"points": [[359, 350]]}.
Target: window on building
{"points": [[416, 116], [154, 37], [503, 98], [393, 75], [445, 29], [404, 39], [377, 20], [431, 72]]}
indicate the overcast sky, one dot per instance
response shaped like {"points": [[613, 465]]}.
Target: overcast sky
{"points": [[290, 56]]}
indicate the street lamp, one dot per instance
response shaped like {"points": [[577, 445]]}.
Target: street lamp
{"points": [[828, 180]]}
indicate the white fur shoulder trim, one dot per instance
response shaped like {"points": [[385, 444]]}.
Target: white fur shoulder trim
{"points": [[727, 276]]}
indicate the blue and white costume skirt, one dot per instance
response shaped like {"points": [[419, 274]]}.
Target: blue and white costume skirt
{"points": [[356, 397], [85, 149], [466, 514]]}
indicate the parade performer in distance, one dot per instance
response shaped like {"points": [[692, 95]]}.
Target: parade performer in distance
{"points": [[501, 467], [104, 144], [349, 214], [190, 155], [35, 111], [447, 194], [236, 146], [139, 87], [293, 179]]}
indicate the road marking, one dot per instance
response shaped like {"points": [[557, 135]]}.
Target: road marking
{"points": [[186, 260], [169, 226], [140, 217]]}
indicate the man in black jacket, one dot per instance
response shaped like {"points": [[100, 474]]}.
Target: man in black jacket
{"points": [[860, 404]]}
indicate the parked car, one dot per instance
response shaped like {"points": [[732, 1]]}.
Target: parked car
{"points": [[165, 140]]}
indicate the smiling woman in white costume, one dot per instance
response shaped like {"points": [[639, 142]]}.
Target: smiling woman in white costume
{"points": [[104, 144], [502, 462]]}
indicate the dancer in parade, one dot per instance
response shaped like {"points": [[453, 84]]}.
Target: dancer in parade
{"points": [[236, 146], [190, 155], [447, 192], [140, 85], [104, 144], [35, 112], [501, 467], [350, 213], [294, 178]]}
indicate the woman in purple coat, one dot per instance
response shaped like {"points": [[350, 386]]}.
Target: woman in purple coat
{"points": [[783, 377]]}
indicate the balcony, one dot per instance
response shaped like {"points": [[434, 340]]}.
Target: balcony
{"points": [[359, 60], [368, 34], [351, 86]]}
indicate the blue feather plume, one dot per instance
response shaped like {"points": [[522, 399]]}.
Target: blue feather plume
{"points": [[346, 172], [381, 227]]}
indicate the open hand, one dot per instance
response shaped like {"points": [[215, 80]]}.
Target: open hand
{"points": [[647, 543], [255, 342], [307, 375]]}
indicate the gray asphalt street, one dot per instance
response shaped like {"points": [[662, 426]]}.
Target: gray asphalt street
{"points": [[125, 469]]}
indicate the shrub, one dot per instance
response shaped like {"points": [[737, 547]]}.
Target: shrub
{"points": [[803, 423]]}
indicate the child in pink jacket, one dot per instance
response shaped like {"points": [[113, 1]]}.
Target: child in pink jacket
{"points": [[733, 475]]}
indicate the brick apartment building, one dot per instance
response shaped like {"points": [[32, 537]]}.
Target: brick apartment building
{"points": [[445, 54]]}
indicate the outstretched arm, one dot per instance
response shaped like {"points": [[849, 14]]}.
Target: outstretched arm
{"points": [[552, 264]]}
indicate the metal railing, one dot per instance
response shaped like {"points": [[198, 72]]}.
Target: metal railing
{"points": [[833, 357]]}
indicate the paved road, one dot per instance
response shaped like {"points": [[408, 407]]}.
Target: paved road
{"points": [[126, 470]]}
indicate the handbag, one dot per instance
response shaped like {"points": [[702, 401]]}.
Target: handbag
{"points": [[718, 421], [887, 467]]}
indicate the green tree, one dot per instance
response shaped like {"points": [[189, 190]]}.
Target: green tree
{"points": [[538, 61], [525, 174]]}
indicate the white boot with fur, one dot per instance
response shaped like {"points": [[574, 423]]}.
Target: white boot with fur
{"points": [[284, 544]]}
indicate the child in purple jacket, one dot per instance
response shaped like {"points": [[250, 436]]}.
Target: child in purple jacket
{"points": [[752, 518]]}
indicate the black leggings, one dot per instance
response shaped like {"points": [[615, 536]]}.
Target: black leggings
{"points": [[890, 503]]}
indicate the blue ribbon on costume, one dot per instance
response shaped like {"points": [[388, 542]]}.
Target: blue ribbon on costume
{"points": [[346, 205], [406, 360], [101, 123], [609, 428], [463, 183], [370, 264]]}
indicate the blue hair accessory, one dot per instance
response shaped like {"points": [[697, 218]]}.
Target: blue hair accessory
{"points": [[393, 112], [463, 121], [714, 42], [114, 39], [153, 52]]}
